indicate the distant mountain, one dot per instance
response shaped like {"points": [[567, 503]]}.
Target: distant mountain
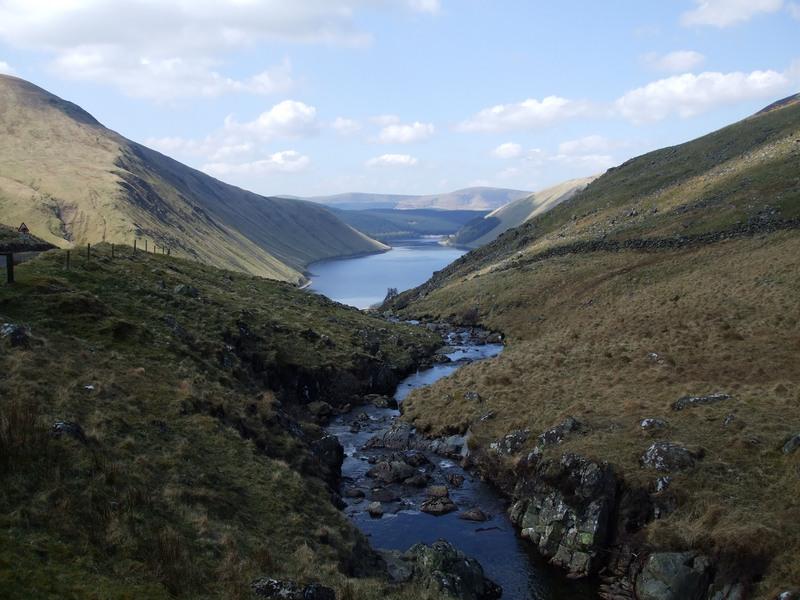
{"points": [[474, 198], [74, 181], [386, 224], [484, 229]]}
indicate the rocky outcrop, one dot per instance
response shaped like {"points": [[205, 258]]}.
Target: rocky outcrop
{"points": [[690, 401], [402, 436], [289, 590], [669, 456], [443, 570], [674, 576], [565, 508]]}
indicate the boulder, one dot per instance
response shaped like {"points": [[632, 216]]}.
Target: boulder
{"points": [[474, 514], [331, 454], [415, 458], [18, 336], [438, 506], [690, 401], [375, 509], [289, 590], [455, 479], [399, 568], [381, 401], [320, 409], [792, 444], [391, 472], [556, 435], [354, 493], [673, 576], [419, 480], [651, 424], [443, 570], [73, 430], [668, 456], [512, 442], [472, 396], [437, 491]]}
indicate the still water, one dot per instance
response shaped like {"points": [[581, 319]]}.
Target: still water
{"points": [[363, 281]]}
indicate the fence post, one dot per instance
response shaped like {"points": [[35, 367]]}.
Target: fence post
{"points": [[66, 263], [145, 246], [134, 246], [88, 252], [112, 250], [9, 267]]}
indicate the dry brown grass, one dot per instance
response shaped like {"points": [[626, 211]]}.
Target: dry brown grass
{"points": [[582, 333]]}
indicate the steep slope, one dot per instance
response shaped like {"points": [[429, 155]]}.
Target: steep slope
{"points": [[74, 181], [387, 223], [483, 230], [474, 198], [155, 433], [658, 308]]}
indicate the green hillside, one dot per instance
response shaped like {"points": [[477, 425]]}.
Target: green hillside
{"points": [[156, 439], [675, 275], [74, 181]]}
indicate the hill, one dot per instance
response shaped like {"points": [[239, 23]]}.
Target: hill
{"points": [[74, 181], [156, 430], [386, 223], [486, 228], [651, 381], [474, 198]]}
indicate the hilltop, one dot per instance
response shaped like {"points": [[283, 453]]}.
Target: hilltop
{"points": [[486, 228], [387, 223], [74, 181], [652, 343], [474, 198]]}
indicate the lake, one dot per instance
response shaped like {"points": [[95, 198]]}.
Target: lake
{"points": [[363, 281]]}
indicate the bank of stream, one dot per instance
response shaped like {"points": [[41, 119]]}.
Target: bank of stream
{"points": [[373, 438]]}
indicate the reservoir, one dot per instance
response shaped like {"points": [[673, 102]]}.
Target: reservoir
{"points": [[362, 281]]}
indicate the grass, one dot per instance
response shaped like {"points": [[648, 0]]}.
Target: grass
{"points": [[189, 482], [614, 338]]}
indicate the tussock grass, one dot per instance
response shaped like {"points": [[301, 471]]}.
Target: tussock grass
{"points": [[187, 484], [612, 338]]}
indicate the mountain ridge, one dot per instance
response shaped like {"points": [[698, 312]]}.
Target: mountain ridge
{"points": [[73, 181]]}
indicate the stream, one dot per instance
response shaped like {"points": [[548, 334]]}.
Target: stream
{"points": [[506, 559]]}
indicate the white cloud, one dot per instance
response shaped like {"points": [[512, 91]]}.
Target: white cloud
{"points": [[724, 13], [508, 150], [426, 6], [688, 95], [344, 126], [167, 50], [6, 69], [405, 134], [586, 145], [392, 160], [289, 118], [678, 61], [528, 114], [287, 161], [384, 120]]}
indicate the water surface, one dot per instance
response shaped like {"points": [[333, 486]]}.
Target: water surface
{"points": [[363, 281]]}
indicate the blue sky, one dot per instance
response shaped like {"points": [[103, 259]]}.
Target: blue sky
{"points": [[311, 97]]}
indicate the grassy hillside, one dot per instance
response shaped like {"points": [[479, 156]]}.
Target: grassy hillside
{"points": [[74, 181], [676, 274], [484, 229], [475, 198], [154, 432], [386, 224]]}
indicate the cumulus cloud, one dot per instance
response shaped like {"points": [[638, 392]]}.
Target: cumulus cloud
{"points": [[405, 133], [289, 118], [287, 161], [6, 69], [167, 50], [678, 61], [724, 13], [344, 126], [508, 150], [528, 114], [392, 160], [688, 95]]}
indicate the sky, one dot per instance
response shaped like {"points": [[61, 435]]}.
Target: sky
{"points": [[318, 97]]}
